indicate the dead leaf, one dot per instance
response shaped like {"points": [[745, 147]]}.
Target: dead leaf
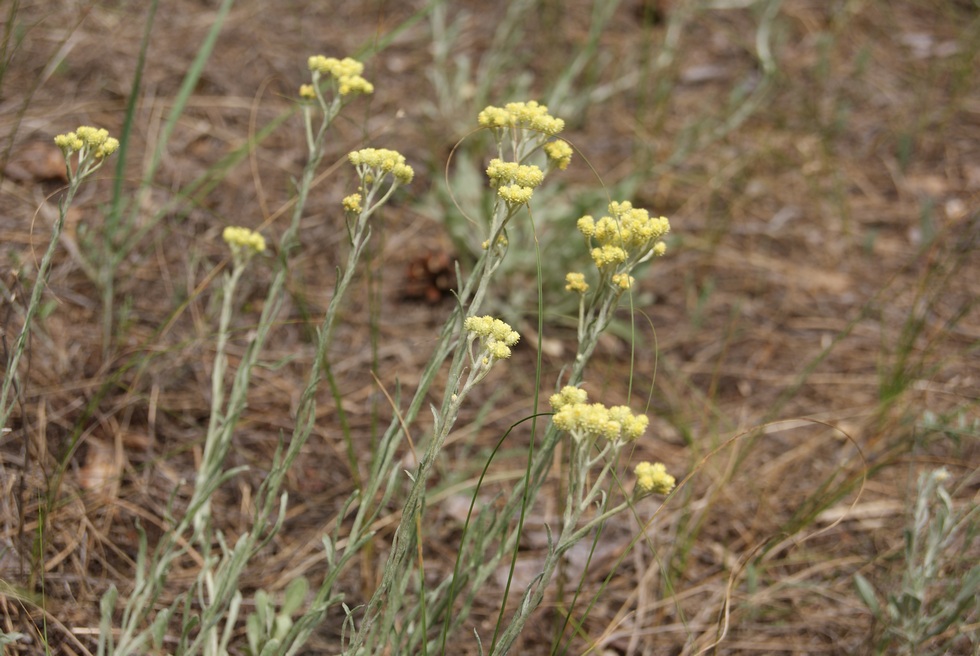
{"points": [[36, 161]]}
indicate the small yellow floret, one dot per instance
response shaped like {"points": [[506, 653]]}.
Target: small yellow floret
{"points": [[90, 141], [242, 241], [351, 84], [515, 194], [630, 229], [569, 395], [559, 153], [496, 336], [631, 426], [68, 143], [371, 162], [587, 421], [608, 255], [337, 68], [521, 114], [623, 280], [535, 116], [307, 92], [352, 203], [108, 147], [503, 173], [575, 282], [495, 117], [652, 478]]}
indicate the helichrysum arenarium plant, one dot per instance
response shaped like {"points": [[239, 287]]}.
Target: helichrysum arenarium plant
{"points": [[399, 616], [85, 151]]}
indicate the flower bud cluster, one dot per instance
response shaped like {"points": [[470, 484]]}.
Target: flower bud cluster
{"points": [[589, 421], [244, 243], [530, 115], [515, 183], [87, 139], [652, 478], [496, 337], [559, 153], [352, 203], [575, 282], [372, 163], [629, 234], [346, 72]]}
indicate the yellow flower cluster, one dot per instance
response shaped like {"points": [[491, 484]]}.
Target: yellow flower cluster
{"points": [[346, 71], [652, 478], [514, 182], [559, 153], [629, 233], [623, 280], [92, 140], [243, 242], [380, 161], [531, 115], [569, 395], [590, 421], [515, 194], [352, 203], [495, 336], [575, 282], [608, 254], [524, 175]]}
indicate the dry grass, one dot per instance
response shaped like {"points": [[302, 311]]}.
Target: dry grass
{"points": [[820, 299]]}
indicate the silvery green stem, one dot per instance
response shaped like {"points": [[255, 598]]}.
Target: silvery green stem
{"points": [[218, 437], [10, 375]]}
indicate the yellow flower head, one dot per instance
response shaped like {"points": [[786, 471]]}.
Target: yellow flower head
{"points": [[334, 67], [352, 203], [94, 141], [352, 84], [586, 225], [631, 426], [535, 116], [590, 421], [346, 73], [587, 421], [68, 143], [376, 162], [244, 243], [559, 154], [575, 282], [623, 281], [624, 239], [306, 92], [652, 478], [495, 117], [608, 255], [530, 115], [524, 175], [569, 395], [515, 194], [496, 336]]}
